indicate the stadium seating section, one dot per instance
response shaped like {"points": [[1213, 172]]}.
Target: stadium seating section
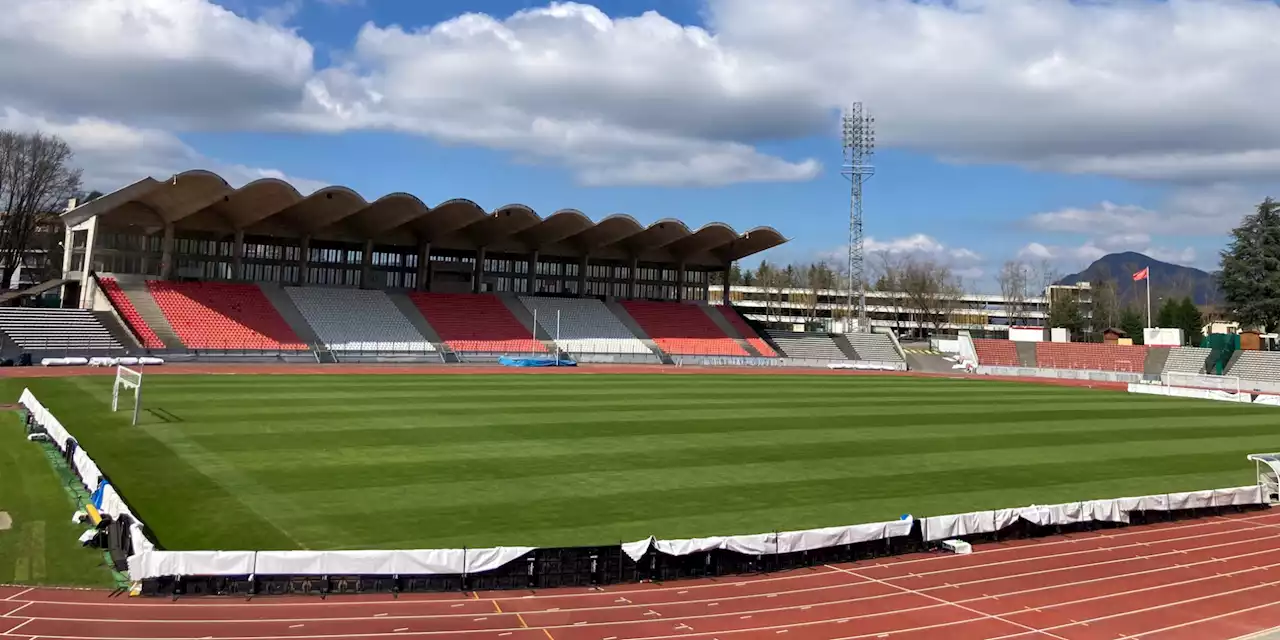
{"points": [[1263, 366], [69, 330], [476, 323], [223, 315], [357, 320], [997, 353], [877, 347], [586, 326], [745, 330], [682, 329], [1093, 357], [817, 346], [1186, 360], [134, 320]]}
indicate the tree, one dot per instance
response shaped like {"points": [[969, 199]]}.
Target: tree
{"points": [[36, 180], [1064, 312], [1250, 274], [931, 290], [1013, 287], [1131, 322], [1106, 306], [1190, 320], [888, 274], [1168, 315]]}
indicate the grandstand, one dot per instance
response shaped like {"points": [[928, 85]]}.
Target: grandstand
{"points": [[55, 330], [807, 345], [1260, 366], [357, 320], [682, 329], [1091, 357], [223, 315], [1186, 360], [584, 326]]}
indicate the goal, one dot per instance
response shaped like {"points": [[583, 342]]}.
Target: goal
{"points": [[127, 380]]}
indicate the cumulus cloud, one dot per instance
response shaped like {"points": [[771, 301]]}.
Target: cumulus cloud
{"points": [[921, 245], [1178, 91], [113, 154]]}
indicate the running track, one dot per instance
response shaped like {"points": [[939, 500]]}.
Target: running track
{"points": [[1207, 579]]}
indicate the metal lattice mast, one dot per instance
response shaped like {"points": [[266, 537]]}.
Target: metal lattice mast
{"points": [[859, 139]]}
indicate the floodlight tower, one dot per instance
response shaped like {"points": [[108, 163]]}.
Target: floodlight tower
{"points": [[859, 139]]}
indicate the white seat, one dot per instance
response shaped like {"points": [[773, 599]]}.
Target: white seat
{"points": [[818, 346], [1186, 360], [586, 326], [877, 347], [1263, 366], [357, 320], [55, 329]]}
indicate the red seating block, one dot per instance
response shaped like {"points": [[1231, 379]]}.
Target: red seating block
{"points": [[682, 329], [746, 331], [476, 323], [999, 353], [1093, 357], [223, 315], [124, 306]]}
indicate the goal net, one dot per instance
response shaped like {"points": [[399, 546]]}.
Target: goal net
{"points": [[127, 380]]}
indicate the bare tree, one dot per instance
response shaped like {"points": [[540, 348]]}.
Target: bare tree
{"points": [[1013, 288], [819, 277], [887, 271], [931, 289], [36, 179]]}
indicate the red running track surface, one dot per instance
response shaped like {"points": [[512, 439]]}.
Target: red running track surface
{"points": [[1207, 579]]}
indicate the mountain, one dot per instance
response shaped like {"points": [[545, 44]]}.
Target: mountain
{"points": [[1166, 279]]}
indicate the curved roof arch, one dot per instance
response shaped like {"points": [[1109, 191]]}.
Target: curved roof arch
{"points": [[201, 200]]}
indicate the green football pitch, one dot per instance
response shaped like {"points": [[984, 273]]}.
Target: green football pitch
{"points": [[401, 461]]}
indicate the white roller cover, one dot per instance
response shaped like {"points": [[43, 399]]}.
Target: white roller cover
{"points": [[87, 468], [965, 524], [157, 564], [770, 543], [147, 360], [1268, 400], [1074, 512]]}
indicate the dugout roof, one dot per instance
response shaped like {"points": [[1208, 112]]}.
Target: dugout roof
{"points": [[202, 201]]}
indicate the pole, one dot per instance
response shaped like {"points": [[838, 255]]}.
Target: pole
{"points": [[1148, 297], [557, 337], [535, 326]]}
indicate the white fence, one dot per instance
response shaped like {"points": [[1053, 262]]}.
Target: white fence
{"points": [[1204, 394], [1061, 374]]}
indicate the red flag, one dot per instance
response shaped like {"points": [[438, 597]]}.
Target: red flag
{"points": [[1142, 275]]}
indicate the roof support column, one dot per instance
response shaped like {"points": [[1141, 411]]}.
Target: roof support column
{"points": [[582, 275], [724, 285], [633, 284], [423, 280], [166, 251], [366, 266], [532, 288], [680, 282], [91, 238], [477, 274], [237, 256], [304, 260]]}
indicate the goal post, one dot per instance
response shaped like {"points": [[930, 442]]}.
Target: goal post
{"points": [[128, 380]]}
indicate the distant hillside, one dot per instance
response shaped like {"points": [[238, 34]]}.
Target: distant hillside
{"points": [[1166, 279]]}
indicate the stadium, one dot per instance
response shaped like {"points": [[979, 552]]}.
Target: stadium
{"points": [[498, 424]]}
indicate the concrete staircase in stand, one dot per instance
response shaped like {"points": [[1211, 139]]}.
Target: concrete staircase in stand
{"points": [[136, 290], [289, 311], [634, 327], [1026, 353], [729, 329], [525, 318]]}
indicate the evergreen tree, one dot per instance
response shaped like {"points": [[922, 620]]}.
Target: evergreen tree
{"points": [[1065, 313], [1251, 269], [1190, 320], [1169, 314], [1131, 323]]}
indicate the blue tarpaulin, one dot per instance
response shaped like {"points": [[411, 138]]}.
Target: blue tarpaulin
{"points": [[544, 361]]}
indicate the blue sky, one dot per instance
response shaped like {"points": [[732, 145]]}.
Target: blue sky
{"points": [[1051, 133]]}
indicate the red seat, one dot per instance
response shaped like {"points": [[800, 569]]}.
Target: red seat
{"points": [[682, 329], [746, 331], [124, 306], [476, 323], [1093, 357], [1000, 353], [223, 315]]}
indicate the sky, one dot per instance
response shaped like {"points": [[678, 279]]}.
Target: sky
{"points": [[1036, 130]]}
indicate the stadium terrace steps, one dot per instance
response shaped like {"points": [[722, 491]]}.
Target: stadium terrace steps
{"points": [[223, 315], [1186, 360], [411, 313], [746, 331], [634, 327], [845, 347], [682, 329], [1155, 362], [289, 312], [135, 291], [133, 321], [357, 320], [1026, 353], [65, 330], [586, 326], [998, 353], [1263, 366], [817, 346], [1092, 357], [112, 323], [876, 347], [525, 317], [729, 329], [475, 323]]}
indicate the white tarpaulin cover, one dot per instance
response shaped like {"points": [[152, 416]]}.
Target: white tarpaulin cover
{"points": [[1267, 399], [864, 366], [771, 543], [155, 564], [1188, 392]]}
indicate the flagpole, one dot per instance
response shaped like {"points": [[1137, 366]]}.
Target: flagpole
{"points": [[1148, 297]]}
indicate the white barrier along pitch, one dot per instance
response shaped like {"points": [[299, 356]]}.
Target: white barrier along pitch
{"points": [[1202, 394]]}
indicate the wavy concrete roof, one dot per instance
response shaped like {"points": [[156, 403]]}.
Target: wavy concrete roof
{"points": [[202, 201]]}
